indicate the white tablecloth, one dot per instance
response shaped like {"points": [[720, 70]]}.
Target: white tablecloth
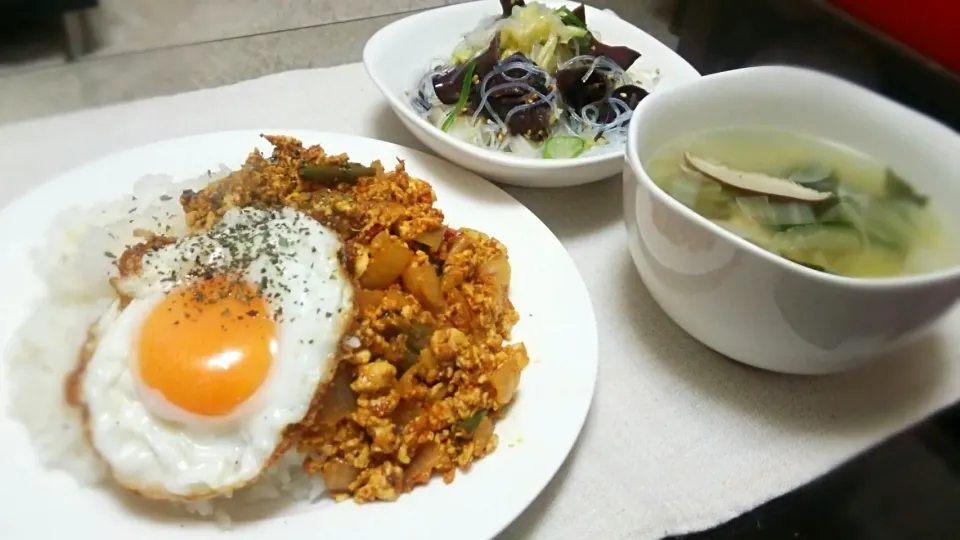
{"points": [[679, 439]]}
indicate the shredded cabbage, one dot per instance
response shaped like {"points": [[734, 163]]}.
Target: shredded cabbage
{"points": [[534, 30]]}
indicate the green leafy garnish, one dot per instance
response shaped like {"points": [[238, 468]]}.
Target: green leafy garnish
{"points": [[897, 188], [462, 100]]}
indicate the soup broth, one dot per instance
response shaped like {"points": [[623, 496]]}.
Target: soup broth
{"points": [[807, 200]]}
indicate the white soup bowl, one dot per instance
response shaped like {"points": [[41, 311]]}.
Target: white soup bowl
{"points": [[745, 302]]}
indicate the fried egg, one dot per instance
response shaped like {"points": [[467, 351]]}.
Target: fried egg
{"points": [[223, 341]]}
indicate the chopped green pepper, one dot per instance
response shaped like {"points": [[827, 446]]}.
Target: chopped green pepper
{"points": [[469, 426], [418, 335], [335, 174], [569, 18], [408, 360]]}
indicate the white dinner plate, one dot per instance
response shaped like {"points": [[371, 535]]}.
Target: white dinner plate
{"points": [[556, 323]]}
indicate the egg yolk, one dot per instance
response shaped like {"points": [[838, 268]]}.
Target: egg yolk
{"points": [[208, 346]]}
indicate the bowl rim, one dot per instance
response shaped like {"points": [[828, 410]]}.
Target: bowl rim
{"points": [[633, 161], [381, 39]]}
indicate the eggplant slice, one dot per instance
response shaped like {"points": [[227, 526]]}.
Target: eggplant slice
{"points": [[533, 119], [447, 85]]}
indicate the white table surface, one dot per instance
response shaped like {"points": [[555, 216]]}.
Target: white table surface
{"points": [[678, 439]]}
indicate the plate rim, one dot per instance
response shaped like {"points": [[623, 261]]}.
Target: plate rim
{"points": [[575, 428]]}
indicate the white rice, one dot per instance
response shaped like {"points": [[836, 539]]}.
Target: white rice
{"points": [[75, 269]]}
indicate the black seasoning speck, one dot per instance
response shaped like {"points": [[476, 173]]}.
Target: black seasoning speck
{"points": [[109, 255]]}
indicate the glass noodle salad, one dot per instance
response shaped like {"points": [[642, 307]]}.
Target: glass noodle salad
{"points": [[534, 82]]}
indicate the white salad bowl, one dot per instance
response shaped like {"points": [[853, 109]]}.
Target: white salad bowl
{"points": [[397, 57], [750, 304]]}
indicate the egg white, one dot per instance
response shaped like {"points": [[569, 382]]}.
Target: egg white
{"points": [[154, 447]]}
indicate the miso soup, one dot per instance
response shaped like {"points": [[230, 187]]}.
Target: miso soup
{"points": [[807, 200]]}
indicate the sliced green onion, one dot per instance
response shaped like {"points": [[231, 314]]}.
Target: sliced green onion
{"points": [[563, 146], [462, 100], [569, 19]]}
